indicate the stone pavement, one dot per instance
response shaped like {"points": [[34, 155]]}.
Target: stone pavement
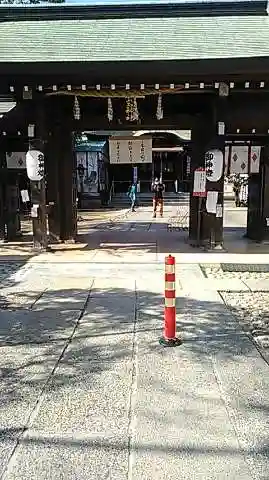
{"points": [[88, 393], [110, 236]]}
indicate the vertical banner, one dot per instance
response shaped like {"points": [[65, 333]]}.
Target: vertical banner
{"points": [[255, 154], [239, 159]]}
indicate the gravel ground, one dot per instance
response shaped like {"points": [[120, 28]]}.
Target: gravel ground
{"points": [[250, 308], [8, 268], [215, 271]]}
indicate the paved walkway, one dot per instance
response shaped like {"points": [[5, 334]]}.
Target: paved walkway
{"points": [[87, 392], [111, 234]]}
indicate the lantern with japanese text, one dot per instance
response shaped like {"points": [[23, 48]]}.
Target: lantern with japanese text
{"points": [[35, 165], [214, 165]]}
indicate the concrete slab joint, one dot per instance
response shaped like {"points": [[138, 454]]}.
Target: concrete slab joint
{"points": [[87, 391]]}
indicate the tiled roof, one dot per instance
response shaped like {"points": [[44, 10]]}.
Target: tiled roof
{"points": [[134, 39]]}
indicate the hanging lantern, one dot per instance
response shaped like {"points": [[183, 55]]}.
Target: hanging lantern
{"points": [[109, 110], [76, 109], [159, 113]]}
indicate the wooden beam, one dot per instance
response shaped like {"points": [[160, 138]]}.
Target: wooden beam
{"points": [[161, 71]]}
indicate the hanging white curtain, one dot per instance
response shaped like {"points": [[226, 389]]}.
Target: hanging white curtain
{"points": [[239, 159], [255, 154]]}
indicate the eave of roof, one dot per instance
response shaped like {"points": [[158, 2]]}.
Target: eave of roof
{"points": [[143, 39], [160, 9]]}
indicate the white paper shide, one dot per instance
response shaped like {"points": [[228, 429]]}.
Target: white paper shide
{"points": [[199, 183], [25, 196], [211, 202]]}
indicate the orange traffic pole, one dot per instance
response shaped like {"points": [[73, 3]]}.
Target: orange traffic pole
{"points": [[169, 338]]}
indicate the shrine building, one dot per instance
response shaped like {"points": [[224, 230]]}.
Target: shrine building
{"points": [[74, 72]]}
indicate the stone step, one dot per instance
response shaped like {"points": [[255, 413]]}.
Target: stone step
{"points": [[146, 199]]}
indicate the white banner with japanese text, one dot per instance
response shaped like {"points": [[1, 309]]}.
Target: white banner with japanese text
{"points": [[130, 150]]}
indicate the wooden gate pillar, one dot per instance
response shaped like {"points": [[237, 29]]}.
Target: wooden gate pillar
{"points": [[206, 228], [258, 202], [200, 138], [67, 188], [265, 196], [2, 197], [61, 173], [52, 176]]}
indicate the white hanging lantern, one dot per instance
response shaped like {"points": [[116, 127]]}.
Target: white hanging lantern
{"points": [[159, 113], [109, 110], [35, 165], [76, 109], [214, 163]]}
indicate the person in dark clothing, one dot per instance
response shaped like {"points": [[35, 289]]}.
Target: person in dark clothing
{"points": [[157, 189]]}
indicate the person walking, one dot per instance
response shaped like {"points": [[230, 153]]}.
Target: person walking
{"points": [[132, 194], [157, 189]]}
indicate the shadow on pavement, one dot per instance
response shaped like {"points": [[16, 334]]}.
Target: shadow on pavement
{"points": [[96, 444], [71, 341], [104, 327]]}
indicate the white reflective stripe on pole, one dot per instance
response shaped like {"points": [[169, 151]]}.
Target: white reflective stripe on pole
{"points": [[170, 302], [170, 285], [169, 268]]}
